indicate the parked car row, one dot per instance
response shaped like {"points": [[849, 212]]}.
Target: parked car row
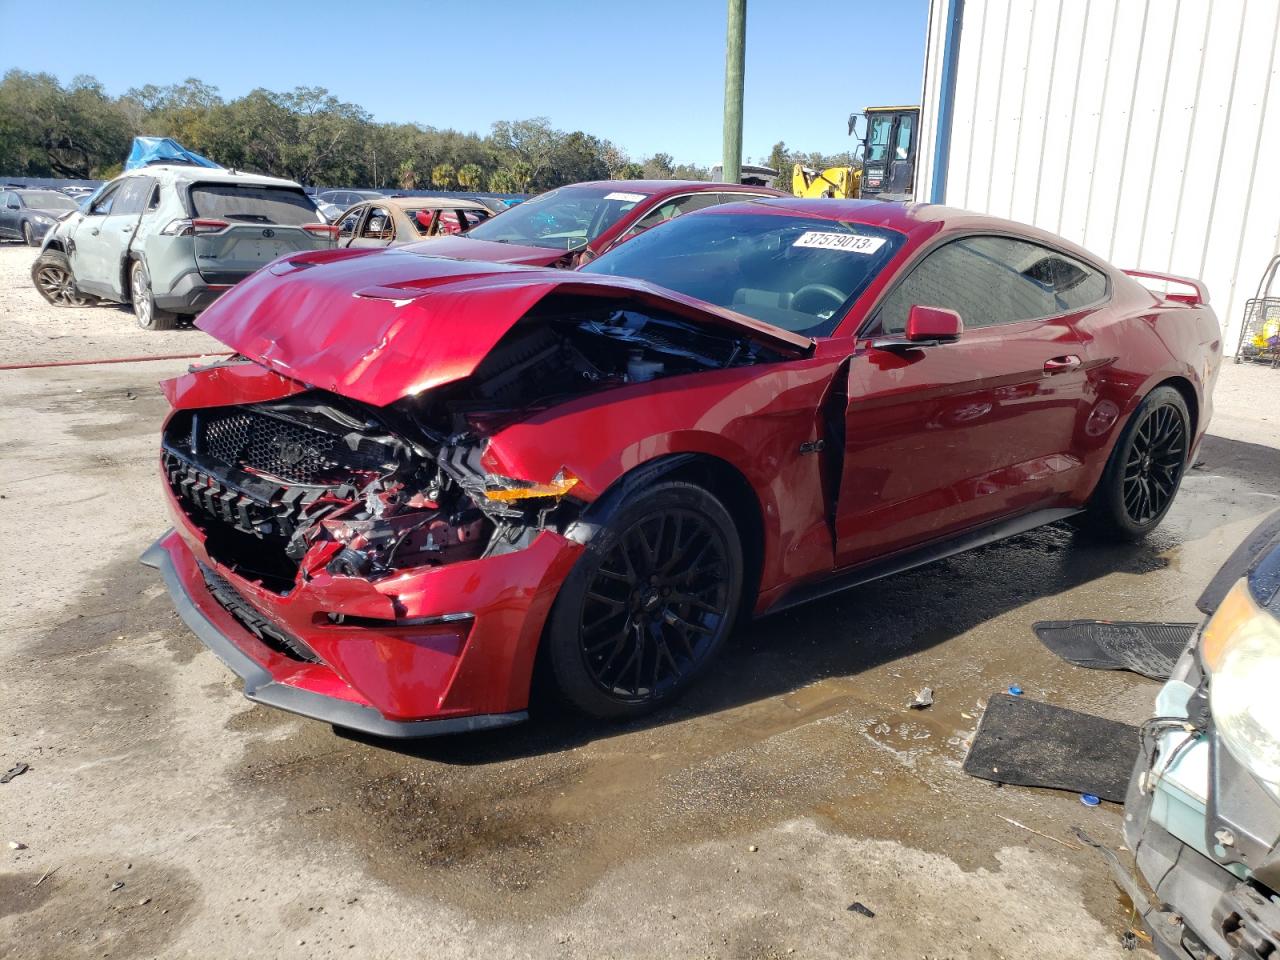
{"points": [[168, 239]]}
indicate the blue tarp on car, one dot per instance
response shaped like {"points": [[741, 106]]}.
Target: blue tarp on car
{"points": [[149, 150]]}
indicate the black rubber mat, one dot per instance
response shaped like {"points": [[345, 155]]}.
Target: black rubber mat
{"points": [[1030, 744], [1150, 649]]}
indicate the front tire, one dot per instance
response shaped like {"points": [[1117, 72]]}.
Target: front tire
{"points": [[1145, 469], [648, 604], [148, 315], [27, 237], [51, 273]]}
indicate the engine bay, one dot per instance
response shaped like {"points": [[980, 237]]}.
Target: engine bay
{"points": [[318, 482]]}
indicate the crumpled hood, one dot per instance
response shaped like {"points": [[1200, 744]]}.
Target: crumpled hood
{"points": [[380, 325], [465, 248]]}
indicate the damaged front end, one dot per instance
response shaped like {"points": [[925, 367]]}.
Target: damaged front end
{"points": [[286, 488], [339, 534]]}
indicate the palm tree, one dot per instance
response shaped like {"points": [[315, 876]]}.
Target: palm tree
{"points": [[406, 176], [443, 176], [470, 176]]}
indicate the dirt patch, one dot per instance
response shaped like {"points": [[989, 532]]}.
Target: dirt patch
{"points": [[75, 912], [37, 332]]}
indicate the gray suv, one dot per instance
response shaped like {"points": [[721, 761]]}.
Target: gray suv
{"points": [[170, 239]]}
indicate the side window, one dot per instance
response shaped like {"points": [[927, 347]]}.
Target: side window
{"points": [[378, 226], [102, 206], [350, 220], [133, 196], [987, 280], [1074, 284], [878, 137], [902, 144], [670, 209], [450, 222], [5, 196]]}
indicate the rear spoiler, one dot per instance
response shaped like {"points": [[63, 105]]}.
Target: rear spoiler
{"points": [[1198, 295]]}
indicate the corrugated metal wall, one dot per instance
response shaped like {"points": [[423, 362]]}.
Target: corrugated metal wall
{"points": [[1146, 130]]}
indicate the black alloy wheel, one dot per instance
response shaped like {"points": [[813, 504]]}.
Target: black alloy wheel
{"points": [[648, 604], [654, 605], [1145, 468], [1154, 463]]}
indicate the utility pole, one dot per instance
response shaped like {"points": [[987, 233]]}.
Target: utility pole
{"points": [[734, 56]]}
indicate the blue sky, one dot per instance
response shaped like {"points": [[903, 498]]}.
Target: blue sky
{"points": [[648, 75]]}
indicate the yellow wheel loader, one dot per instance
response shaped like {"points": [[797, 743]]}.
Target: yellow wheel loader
{"points": [[887, 160]]}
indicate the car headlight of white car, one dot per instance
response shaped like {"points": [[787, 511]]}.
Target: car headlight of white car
{"points": [[1240, 649]]}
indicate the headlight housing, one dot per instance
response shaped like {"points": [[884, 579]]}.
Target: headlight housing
{"points": [[1240, 650], [41, 219]]}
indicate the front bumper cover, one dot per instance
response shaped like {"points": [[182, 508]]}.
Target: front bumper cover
{"points": [[261, 687], [383, 680]]}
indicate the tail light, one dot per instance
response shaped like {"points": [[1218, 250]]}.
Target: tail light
{"points": [[329, 230], [190, 228]]}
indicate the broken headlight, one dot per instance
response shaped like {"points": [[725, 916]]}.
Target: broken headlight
{"points": [[1240, 650]]}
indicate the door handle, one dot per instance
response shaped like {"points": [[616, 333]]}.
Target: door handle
{"points": [[126, 228], [1061, 364], [94, 232]]}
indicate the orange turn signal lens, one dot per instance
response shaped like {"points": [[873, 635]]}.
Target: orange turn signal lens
{"points": [[1235, 611], [560, 484]]}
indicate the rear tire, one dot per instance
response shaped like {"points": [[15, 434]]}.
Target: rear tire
{"points": [[648, 604], [1145, 469], [52, 275], [149, 316]]}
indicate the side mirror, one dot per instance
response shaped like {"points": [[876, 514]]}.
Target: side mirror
{"points": [[933, 324], [926, 327]]}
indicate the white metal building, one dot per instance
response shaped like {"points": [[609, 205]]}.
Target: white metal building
{"points": [[1146, 130]]}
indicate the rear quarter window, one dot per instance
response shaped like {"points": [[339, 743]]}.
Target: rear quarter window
{"points": [[243, 203]]}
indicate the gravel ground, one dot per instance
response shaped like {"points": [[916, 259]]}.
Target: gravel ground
{"points": [[165, 816]]}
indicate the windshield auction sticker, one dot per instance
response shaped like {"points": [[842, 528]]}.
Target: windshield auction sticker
{"points": [[847, 242], [628, 197]]}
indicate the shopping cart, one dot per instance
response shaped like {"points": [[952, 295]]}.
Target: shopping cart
{"points": [[1260, 332]]}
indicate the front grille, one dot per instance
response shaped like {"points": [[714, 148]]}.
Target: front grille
{"points": [[274, 513], [269, 445], [270, 633]]}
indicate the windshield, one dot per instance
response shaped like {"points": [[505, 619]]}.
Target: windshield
{"points": [[878, 140], [563, 219], [47, 200], [794, 272], [243, 203]]}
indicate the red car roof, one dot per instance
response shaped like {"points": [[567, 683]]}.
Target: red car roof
{"points": [[917, 220], [654, 188]]}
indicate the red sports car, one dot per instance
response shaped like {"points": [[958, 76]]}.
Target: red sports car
{"points": [[421, 477], [575, 224]]}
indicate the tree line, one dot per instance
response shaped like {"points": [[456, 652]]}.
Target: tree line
{"points": [[78, 130]]}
